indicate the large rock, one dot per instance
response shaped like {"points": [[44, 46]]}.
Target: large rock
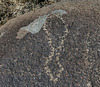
{"points": [[57, 46]]}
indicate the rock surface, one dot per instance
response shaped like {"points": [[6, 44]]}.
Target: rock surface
{"points": [[57, 46]]}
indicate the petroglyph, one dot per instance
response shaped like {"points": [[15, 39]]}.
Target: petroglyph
{"points": [[54, 52], [35, 27], [37, 24]]}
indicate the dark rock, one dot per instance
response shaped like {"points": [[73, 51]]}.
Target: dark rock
{"points": [[57, 46]]}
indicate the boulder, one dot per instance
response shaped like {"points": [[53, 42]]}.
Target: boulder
{"points": [[57, 46]]}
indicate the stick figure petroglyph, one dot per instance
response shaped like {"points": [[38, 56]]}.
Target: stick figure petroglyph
{"points": [[56, 52]]}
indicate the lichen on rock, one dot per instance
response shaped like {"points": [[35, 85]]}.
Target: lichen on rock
{"points": [[37, 24]]}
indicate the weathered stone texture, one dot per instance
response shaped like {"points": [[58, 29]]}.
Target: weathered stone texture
{"points": [[65, 52]]}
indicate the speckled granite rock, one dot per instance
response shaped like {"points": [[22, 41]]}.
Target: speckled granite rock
{"points": [[12, 8], [57, 46]]}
